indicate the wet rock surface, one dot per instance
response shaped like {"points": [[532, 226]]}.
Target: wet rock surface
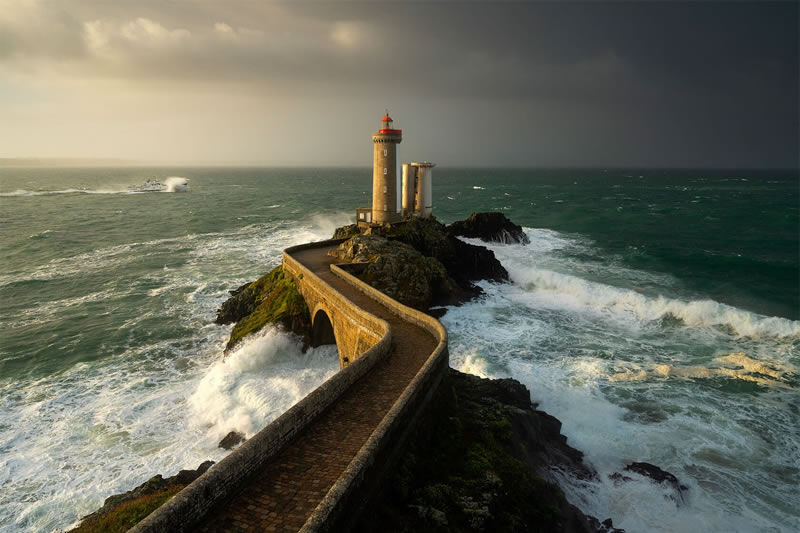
{"points": [[482, 459], [271, 299], [146, 494], [398, 270], [657, 475], [403, 254], [489, 227], [231, 440]]}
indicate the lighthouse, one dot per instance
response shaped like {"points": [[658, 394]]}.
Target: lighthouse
{"points": [[385, 200], [390, 202]]}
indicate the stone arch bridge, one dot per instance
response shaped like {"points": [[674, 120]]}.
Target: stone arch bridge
{"points": [[315, 467], [334, 317]]}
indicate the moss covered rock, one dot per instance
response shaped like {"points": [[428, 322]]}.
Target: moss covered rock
{"points": [[480, 460], [345, 232], [463, 263], [123, 511], [271, 299], [397, 270]]}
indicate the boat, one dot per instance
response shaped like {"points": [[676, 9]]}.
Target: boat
{"points": [[148, 186]]}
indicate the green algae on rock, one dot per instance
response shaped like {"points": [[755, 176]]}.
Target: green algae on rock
{"points": [[401, 258], [396, 269], [123, 511], [479, 460], [271, 299]]}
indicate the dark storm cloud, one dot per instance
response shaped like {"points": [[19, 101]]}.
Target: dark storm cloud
{"points": [[641, 83]]}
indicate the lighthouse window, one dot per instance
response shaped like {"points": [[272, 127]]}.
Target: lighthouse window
{"points": [[385, 208], [384, 189], [385, 151], [385, 171]]}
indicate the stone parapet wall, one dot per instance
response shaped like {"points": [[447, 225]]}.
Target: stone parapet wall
{"points": [[349, 494], [340, 507], [356, 330], [219, 483]]}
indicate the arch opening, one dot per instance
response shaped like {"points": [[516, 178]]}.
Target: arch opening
{"points": [[322, 329]]}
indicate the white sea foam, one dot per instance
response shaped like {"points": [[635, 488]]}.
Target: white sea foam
{"points": [[628, 388], [563, 290], [176, 184], [262, 378], [547, 276], [261, 242], [25, 192], [70, 440]]}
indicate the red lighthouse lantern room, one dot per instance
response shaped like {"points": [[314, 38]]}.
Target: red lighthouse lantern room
{"points": [[387, 125]]}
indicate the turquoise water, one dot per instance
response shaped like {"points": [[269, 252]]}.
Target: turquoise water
{"points": [[655, 313]]}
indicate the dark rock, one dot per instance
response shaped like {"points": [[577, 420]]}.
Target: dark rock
{"points": [[184, 477], [397, 270], [481, 459], [345, 232], [546, 448], [606, 526], [271, 299], [489, 227], [657, 475], [242, 302], [463, 263], [231, 439], [151, 486]]}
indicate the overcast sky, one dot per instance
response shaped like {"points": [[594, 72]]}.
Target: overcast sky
{"points": [[512, 84]]}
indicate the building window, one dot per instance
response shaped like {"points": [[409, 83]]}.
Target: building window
{"points": [[361, 216], [384, 189], [385, 208], [385, 171], [385, 151]]}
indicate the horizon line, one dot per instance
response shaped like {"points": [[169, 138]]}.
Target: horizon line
{"points": [[79, 162]]}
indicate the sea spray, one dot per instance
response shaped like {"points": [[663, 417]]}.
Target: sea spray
{"points": [[156, 267], [127, 409], [259, 380], [176, 184], [565, 290], [706, 394]]}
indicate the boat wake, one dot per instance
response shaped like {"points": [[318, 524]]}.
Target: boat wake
{"points": [[24, 192]]}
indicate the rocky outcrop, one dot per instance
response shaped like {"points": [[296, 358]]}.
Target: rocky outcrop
{"points": [[122, 511], [464, 262], [345, 232], [397, 270], [401, 255], [481, 459], [489, 227], [271, 299], [657, 475], [416, 261], [231, 440]]}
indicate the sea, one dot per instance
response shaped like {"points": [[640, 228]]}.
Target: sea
{"points": [[656, 313]]}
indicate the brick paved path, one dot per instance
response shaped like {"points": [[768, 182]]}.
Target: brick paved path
{"points": [[289, 487]]}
